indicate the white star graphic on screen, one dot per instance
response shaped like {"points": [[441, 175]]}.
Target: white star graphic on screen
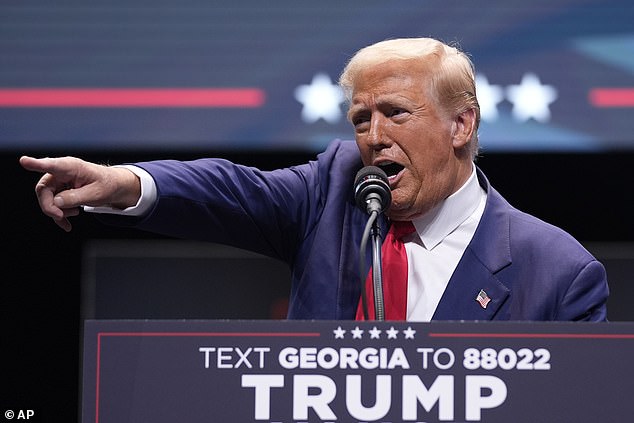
{"points": [[488, 98], [321, 100], [409, 333], [339, 333], [531, 99], [391, 333], [374, 333], [356, 333]]}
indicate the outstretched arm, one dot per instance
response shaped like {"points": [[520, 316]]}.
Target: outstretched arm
{"points": [[69, 183]]}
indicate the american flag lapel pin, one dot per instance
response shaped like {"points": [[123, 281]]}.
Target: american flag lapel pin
{"points": [[483, 298]]}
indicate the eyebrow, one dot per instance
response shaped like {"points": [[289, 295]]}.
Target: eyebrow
{"points": [[391, 99], [355, 110]]}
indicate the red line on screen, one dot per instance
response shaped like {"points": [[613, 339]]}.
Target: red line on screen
{"points": [[132, 97], [228, 334], [98, 377], [535, 335], [612, 97]]}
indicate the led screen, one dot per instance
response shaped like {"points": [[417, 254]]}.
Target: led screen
{"points": [[252, 75]]}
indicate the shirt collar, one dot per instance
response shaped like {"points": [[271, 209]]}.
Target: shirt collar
{"points": [[443, 219]]}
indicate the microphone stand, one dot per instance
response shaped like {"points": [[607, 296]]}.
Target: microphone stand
{"points": [[372, 193], [377, 271]]}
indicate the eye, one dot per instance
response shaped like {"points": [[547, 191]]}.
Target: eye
{"points": [[359, 120], [397, 112]]}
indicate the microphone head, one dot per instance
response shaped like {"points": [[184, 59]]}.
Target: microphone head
{"points": [[371, 183]]}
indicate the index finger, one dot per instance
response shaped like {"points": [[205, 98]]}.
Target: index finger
{"points": [[44, 165]]}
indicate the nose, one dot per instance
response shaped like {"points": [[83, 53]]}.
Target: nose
{"points": [[377, 138]]}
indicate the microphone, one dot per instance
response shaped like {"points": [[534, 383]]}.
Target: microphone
{"points": [[372, 190]]}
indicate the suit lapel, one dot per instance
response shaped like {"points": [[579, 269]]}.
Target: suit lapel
{"points": [[487, 253], [460, 299]]}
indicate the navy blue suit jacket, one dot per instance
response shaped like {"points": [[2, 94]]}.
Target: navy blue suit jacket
{"points": [[306, 216]]}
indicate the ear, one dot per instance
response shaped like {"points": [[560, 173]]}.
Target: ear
{"points": [[462, 128]]}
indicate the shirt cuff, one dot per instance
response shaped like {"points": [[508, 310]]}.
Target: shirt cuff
{"points": [[146, 200]]}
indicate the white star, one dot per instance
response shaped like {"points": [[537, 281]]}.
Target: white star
{"points": [[356, 333], [339, 333], [321, 100], [531, 99], [488, 98], [374, 333], [391, 333], [409, 333]]}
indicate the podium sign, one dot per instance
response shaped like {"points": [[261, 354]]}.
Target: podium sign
{"points": [[347, 371]]}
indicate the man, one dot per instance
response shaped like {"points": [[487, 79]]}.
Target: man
{"points": [[415, 115]]}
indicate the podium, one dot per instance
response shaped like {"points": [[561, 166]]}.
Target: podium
{"points": [[198, 371]]}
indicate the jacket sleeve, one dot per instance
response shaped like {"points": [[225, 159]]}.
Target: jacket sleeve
{"points": [[269, 212], [219, 201], [586, 297]]}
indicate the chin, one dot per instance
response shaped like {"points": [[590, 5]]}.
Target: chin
{"points": [[401, 212], [395, 214]]}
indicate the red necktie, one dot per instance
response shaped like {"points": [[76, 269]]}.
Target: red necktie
{"points": [[394, 259]]}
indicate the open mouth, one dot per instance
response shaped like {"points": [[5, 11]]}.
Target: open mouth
{"points": [[391, 168]]}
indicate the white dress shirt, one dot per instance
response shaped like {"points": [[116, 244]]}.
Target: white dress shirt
{"points": [[433, 252]]}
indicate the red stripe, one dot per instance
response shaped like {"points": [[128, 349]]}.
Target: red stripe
{"points": [[612, 97], [132, 97], [535, 335], [207, 334], [98, 376]]}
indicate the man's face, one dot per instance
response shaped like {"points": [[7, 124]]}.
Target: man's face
{"points": [[399, 128]]}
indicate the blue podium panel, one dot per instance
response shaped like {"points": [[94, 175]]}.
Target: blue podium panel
{"points": [[345, 371]]}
